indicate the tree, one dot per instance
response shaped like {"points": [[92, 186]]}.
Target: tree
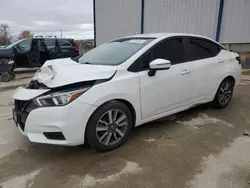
{"points": [[25, 34], [5, 37]]}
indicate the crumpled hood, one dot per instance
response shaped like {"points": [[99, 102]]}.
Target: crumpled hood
{"points": [[62, 72]]}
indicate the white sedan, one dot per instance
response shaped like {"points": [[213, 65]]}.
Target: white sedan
{"points": [[99, 98]]}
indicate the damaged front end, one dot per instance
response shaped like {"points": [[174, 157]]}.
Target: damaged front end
{"points": [[37, 95], [57, 85]]}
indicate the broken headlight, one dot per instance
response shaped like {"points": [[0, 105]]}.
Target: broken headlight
{"points": [[59, 98]]}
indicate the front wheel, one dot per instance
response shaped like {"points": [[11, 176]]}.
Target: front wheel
{"points": [[224, 93], [109, 126], [5, 77]]}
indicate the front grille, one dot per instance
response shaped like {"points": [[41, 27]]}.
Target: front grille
{"points": [[22, 109], [19, 105]]}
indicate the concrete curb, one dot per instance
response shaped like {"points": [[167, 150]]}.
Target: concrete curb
{"points": [[245, 70], [7, 88]]}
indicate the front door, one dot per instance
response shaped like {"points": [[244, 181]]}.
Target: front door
{"points": [[22, 50], [168, 89]]}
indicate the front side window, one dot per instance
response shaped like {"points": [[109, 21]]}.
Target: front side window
{"points": [[24, 45], [21, 43], [201, 49], [170, 49], [115, 52]]}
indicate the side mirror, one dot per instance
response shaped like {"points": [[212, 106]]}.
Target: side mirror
{"points": [[158, 64]]}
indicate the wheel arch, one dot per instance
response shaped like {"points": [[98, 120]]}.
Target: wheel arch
{"points": [[131, 108], [227, 77], [126, 102]]}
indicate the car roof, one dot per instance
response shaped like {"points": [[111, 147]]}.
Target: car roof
{"points": [[160, 35], [167, 35], [52, 38]]}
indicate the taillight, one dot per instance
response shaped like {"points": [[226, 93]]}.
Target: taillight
{"points": [[75, 48], [238, 59]]}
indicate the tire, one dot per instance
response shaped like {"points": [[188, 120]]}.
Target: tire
{"points": [[5, 77], [101, 140], [224, 93], [12, 75]]}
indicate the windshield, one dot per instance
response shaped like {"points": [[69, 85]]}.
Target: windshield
{"points": [[114, 53], [17, 42]]}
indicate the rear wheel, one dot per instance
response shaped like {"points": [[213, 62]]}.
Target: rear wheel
{"points": [[224, 93], [109, 126]]}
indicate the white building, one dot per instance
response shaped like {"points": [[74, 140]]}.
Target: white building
{"points": [[227, 21]]}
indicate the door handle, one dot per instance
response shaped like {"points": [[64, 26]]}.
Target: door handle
{"points": [[221, 61], [185, 71]]}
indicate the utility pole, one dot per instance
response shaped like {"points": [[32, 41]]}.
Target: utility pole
{"points": [[61, 33]]}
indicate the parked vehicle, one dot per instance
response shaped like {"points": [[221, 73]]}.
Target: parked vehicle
{"points": [[122, 84], [6, 70], [34, 52]]}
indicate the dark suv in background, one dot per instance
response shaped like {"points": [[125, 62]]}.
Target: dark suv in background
{"points": [[34, 52]]}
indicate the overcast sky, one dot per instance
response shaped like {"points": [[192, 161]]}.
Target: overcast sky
{"points": [[49, 17]]}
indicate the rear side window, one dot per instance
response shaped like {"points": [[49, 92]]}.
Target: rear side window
{"points": [[50, 42], [64, 43], [201, 49]]}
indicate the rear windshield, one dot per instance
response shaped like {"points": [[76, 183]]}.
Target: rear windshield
{"points": [[115, 52]]}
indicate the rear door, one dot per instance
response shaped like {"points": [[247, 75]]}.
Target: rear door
{"points": [[52, 47], [202, 55], [65, 48]]}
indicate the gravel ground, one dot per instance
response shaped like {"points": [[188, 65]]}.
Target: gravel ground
{"points": [[198, 148]]}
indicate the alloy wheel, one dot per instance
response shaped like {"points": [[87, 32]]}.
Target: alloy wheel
{"points": [[111, 127], [225, 92]]}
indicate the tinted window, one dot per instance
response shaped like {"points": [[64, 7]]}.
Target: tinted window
{"points": [[170, 49], [64, 43], [22, 41], [201, 49], [25, 43], [50, 42], [114, 53]]}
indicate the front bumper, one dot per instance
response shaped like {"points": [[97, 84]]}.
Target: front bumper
{"points": [[70, 121]]}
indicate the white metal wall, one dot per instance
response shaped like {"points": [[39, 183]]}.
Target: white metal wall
{"points": [[116, 18], [236, 22], [191, 16]]}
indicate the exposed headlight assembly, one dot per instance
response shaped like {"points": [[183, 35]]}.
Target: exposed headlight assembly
{"points": [[59, 98]]}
